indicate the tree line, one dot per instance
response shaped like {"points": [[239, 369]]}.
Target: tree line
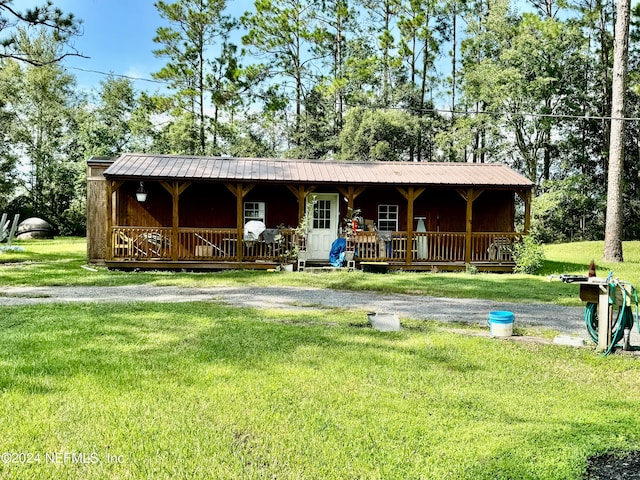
{"points": [[527, 83]]}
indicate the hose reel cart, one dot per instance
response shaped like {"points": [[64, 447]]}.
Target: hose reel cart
{"points": [[610, 311]]}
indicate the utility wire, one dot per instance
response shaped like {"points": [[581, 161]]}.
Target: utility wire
{"points": [[119, 75], [441, 111]]}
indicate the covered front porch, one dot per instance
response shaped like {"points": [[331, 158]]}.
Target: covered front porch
{"points": [[216, 248]]}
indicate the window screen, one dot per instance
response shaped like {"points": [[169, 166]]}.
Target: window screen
{"points": [[254, 211], [388, 218]]}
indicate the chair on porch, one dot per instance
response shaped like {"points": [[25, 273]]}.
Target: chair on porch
{"points": [[208, 249], [123, 245], [500, 249]]}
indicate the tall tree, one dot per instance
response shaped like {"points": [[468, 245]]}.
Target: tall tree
{"points": [[526, 79], [281, 33], [420, 45], [384, 17], [194, 26], [613, 228], [105, 124], [45, 18], [335, 20], [41, 102]]}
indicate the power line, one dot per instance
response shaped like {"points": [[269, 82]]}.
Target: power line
{"points": [[119, 75], [440, 111]]}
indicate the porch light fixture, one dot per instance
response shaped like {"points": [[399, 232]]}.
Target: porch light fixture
{"points": [[141, 194]]}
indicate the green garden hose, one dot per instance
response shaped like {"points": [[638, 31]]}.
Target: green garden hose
{"points": [[624, 318]]}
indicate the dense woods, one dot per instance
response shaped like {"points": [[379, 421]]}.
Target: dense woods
{"points": [[527, 83]]}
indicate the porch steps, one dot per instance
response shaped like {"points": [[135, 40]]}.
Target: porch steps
{"points": [[323, 269]]}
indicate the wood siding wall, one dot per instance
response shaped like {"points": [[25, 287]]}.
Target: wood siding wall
{"points": [[96, 213], [212, 205]]}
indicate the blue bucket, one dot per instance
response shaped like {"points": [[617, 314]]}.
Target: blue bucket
{"points": [[501, 323]]}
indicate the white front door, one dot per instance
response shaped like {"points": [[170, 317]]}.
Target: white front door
{"points": [[324, 225]]}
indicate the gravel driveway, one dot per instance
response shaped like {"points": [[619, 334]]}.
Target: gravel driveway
{"points": [[567, 320]]}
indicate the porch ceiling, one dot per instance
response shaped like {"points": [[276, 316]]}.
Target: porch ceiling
{"points": [[257, 170]]}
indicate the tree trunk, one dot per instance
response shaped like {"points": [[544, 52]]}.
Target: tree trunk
{"points": [[613, 228]]}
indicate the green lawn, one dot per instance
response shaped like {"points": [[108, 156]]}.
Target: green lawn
{"points": [[200, 390], [204, 391]]}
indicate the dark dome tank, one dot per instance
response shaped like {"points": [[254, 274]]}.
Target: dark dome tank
{"points": [[34, 227]]}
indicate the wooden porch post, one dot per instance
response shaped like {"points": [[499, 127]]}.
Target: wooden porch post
{"points": [[351, 193], [470, 196], [469, 223], [109, 243], [240, 191], [175, 189], [410, 195], [112, 187], [301, 193], [525, 195]]}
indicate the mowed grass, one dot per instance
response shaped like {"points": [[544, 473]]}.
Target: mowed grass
{"points": [[199, 390], [60, 261]]}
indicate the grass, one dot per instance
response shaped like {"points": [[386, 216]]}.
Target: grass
{"points": [[199, 390], [59, 262]]}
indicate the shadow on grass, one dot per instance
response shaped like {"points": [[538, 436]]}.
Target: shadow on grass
{"points": [[133, 345]]}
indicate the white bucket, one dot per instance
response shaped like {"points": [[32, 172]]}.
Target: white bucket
{"points": [[384, 322], [501, 323]]}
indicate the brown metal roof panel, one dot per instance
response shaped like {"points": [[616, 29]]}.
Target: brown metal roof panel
{"points": [[300, 171], [139, 165], [180, 168], [262, 168], [192, 167], [375, 175], [225, 169], [331, 172], [271, 170], [241, 171], [274, 173], [317, 172], [254, 170], [129, 164], [202, 168], [163, 167], [160, 167], [454, 174], [284, 173]]}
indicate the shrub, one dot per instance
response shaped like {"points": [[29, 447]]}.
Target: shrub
{"points": [[528, 255]]}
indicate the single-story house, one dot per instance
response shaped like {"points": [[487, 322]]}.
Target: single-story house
{"points": [[191, 212]]}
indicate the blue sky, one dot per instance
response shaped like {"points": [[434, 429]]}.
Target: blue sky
{"points": [[118, 38]]}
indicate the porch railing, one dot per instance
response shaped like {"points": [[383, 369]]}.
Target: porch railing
{"points": [[220, 244], [141, 243], [493, 247], [214, 244]]}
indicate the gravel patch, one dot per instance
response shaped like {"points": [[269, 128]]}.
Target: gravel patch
{"points": [[565, 320]]}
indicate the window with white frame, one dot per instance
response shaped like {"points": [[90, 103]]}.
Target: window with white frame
{"points": [[388, 218], [322, 214], [254, 211]]}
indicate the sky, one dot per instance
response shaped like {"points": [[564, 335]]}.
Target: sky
{"points": [[118, 38]]}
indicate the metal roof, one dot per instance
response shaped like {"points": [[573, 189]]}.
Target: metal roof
{"points": [[257, 170]]}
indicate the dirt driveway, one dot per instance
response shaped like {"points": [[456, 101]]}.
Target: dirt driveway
{"points": [[568, 320]]}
